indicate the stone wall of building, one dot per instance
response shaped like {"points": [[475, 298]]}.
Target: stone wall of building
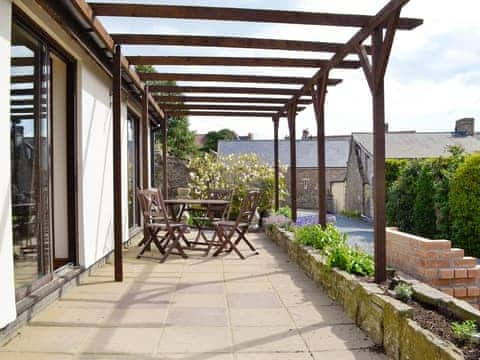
{"points": [[178, 173], [307, 184], [436, 263], [354, 183]]}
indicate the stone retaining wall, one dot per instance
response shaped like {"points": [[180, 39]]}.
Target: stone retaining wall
{"points": [[436, 263], [386, 320]]}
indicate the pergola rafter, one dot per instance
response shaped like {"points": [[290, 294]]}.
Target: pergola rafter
{"points": [[236, 61], [373, 59]]}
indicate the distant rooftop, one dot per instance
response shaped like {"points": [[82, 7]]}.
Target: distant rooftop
{"points": [[337, 149], [411, 144]]}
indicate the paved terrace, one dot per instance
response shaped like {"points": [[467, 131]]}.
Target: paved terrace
{"points": [[200, 308]]}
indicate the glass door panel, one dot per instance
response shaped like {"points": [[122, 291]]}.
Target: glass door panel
{"points": [[30, 158]]}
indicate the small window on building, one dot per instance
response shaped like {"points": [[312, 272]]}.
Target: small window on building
{"points": [[305, 183]]}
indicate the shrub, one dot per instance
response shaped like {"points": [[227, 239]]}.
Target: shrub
{"points": [[237, 172], [393, 169], [403, 292], [401, 198], [318, 238], [351, 214], [464, 199], [424, 220], [463, 331]]}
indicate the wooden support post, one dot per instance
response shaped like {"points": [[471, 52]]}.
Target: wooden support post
{"points": [[319, 95], [144, 136], [292, 112], [165, 157], [276, 164], [117, 163], [144, 153], [379, 161]]}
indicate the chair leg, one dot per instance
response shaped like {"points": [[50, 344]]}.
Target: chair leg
{"points": [[175, 244], [241, 236], [227, 240]]}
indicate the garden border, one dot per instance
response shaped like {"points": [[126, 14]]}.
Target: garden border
{"points": [[386, 320]]}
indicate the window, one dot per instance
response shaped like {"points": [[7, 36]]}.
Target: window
{"points": [[30, 157]]}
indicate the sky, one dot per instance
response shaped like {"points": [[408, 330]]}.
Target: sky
{"points": [[433, 77]]}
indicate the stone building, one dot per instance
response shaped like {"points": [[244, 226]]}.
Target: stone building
{"points": [[399, 145], [337, 150]]}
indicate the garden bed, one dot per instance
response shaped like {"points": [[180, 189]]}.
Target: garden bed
{"points": [[389, 322]]}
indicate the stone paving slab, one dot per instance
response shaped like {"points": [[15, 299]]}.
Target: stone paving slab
{"points": [[200, 308]]}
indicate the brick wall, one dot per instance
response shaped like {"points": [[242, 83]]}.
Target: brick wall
{"points": [[436, 263]]}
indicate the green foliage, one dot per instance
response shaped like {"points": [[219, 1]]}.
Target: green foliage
{"points": [[403, 291], [401, 198], [393, 169], [351, 214], [464, 198], [318, 238], [285, 211], [424, 223], [237, 172], [180, 139], [212, 138], [332, 243], [463, 331]]}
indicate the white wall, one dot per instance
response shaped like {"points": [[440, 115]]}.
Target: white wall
{"points": [[7, 285]]}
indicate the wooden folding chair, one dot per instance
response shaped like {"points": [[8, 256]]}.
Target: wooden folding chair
{"points": [[226, 230], [157, 223]]}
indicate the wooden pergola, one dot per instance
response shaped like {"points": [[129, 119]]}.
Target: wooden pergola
{"points": [[372, 59]]}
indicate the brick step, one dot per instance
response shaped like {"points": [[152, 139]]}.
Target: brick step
{"points": [[459, 273], [465, 262]]}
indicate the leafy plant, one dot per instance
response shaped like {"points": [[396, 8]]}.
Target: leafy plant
{"points": [[332, 243], [403, 291], [285, 211], [463, 331]]}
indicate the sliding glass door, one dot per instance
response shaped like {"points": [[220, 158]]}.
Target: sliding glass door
{"points": [[133, 171], [30, 157]]}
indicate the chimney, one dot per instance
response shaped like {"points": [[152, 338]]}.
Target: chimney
{"points": [[465, 127], [386, 127], [305, 134], [250, 136]]}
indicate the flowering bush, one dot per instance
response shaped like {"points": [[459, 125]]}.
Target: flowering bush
{"points": [[279, 220], [237, 172]]}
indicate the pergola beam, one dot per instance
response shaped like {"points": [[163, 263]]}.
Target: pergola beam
{"points": [[225, 99], [227, 78], [230, 42], [169, 107], [236, 61], [238, 14], [224, 113], [223, 89]]}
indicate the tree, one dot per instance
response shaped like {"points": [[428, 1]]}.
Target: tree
{"points": [[424, 219], [212, 138], [180, 139], [464, 200]]}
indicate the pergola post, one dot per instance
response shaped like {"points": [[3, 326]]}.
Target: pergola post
{"points": [[165, 157], [276, 165], [144, 139], [117, 163], [292, 112], [375, 74], [318, 95]]}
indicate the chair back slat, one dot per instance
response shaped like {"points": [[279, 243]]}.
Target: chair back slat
{"points": [[248, 207], [220, 211], [152, 205]]}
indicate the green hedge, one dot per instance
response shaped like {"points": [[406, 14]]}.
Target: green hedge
{"points": [[465, 206]]}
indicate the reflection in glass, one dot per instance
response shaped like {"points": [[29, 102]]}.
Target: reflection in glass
{"points": [[133, 171], [30, 163]]}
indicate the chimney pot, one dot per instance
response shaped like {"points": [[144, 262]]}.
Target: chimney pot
{"points": [[465, 126]]}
